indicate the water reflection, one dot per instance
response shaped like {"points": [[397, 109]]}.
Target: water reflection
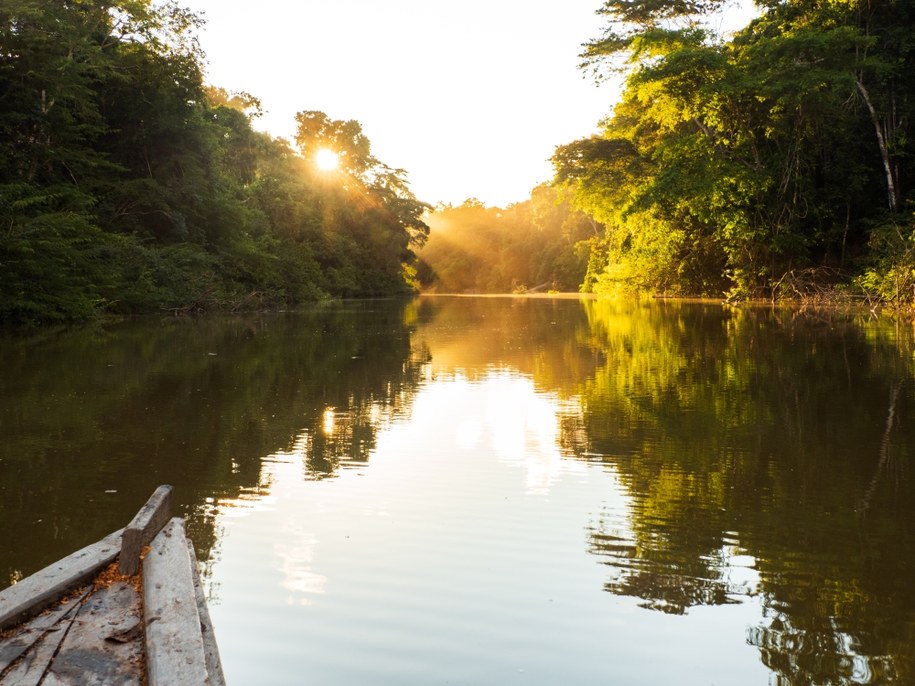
{"points": [[781, 433], [94, 420], [734, 484], [445, 555]]}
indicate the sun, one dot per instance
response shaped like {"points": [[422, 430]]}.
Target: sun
{"points": [[326, 159]]}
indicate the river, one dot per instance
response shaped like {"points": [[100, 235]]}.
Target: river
{"points": [[473, 490]]}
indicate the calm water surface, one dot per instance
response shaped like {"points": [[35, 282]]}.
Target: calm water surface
{"points": [[496, 490]]}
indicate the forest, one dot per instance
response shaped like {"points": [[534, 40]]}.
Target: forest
{"points": [[773, 162], [128, 185], [539, 245]]}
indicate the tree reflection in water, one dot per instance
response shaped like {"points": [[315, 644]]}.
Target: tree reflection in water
{"points": [[764, 454], [93, 420], [767, 436]]}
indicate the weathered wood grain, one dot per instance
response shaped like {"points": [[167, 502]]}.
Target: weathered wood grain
{"points": [[30, 668], [143, 527], [210, 648], [31, 632], [100, 636], [34, 593], [174, 644], [104, 646]]}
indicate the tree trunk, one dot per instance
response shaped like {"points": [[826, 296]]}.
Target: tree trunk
{"points": [[892, 193]]}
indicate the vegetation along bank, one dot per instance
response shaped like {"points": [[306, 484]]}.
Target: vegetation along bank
{"points": [[773, 162]]}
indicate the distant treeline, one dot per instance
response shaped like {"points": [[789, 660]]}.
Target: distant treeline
{"points": [[541, 244], [775, 162], [127, 185]]}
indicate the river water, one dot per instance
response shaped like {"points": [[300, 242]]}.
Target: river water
{"points": [[495, 490]]}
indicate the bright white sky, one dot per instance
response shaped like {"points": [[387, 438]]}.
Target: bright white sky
{"points": [[470, 97]]}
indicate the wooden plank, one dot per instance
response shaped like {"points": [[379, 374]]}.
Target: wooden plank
{"points": [[174, 644], [34, 593], [145, 524], [210, 648], [31, 632], [104, 646], [30, 668]]}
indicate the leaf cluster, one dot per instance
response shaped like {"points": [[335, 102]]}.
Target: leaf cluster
{"points": [[729, 163], [127, 185]]}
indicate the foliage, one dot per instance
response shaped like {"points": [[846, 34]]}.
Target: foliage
{"points": [[127, 185], [891, 276], [728, 164], [539, 244]]}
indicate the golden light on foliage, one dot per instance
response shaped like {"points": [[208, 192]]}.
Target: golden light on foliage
{"points": [[326, 159]]}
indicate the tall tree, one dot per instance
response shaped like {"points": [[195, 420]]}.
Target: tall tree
{"points": [[128, 185], [372, 216], [732, 165]]}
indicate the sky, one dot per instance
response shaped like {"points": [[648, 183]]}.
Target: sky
{"points": [[470, 98]]}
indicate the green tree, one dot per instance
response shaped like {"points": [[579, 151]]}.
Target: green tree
{"points": [[539, 244], [127, 185], [371, 220], [732, 165]]}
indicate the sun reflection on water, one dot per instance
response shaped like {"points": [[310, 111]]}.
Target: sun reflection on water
{"points": [[525, 431], [501, 415], [296, 554], [463, 500], [327, 423]]}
